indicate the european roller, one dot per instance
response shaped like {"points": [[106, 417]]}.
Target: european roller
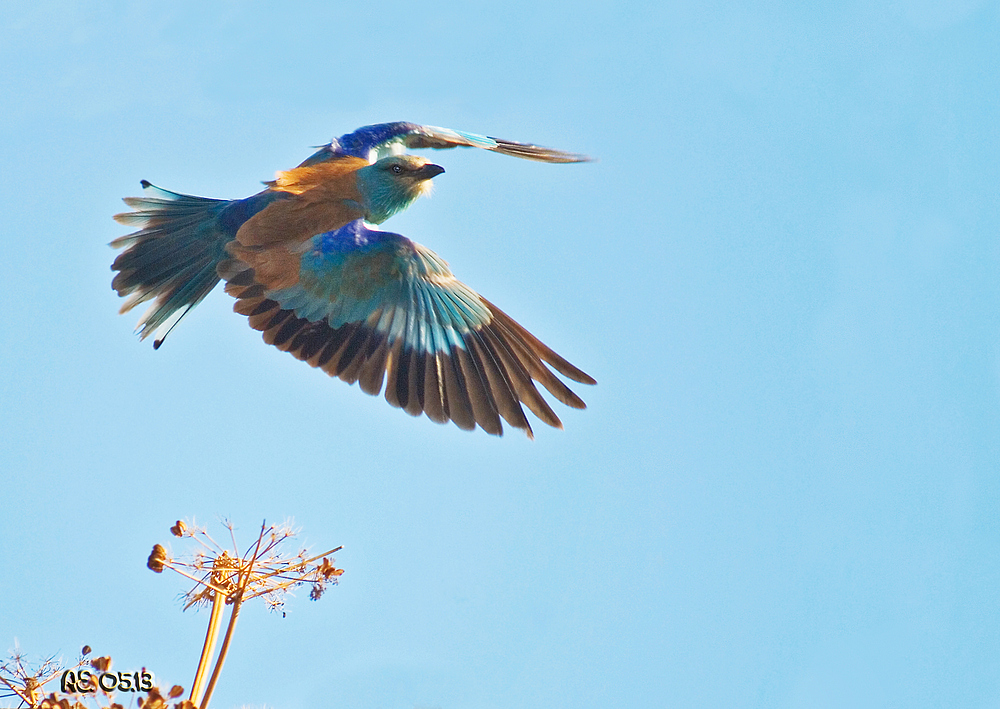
{"points": [[311, 273]]}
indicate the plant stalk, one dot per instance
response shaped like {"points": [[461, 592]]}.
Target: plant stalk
{"points": [[214, 623], [224, 650]]}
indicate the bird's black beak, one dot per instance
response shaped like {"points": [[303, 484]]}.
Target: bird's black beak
{"points": [[429, 170]]}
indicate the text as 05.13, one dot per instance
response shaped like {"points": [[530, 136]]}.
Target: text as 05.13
{"points": [[84, 681]]}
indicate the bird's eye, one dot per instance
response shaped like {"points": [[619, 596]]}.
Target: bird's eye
{"points": [[397, 169]]}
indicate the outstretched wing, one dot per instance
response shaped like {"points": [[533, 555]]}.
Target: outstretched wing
{"points": [[371, 307], [377, 141]]}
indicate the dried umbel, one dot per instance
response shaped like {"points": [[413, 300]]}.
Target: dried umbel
{"points": [[26, 681], [262, 570], [230, 577]]}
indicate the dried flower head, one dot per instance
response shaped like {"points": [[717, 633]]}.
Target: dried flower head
{"points": [[19, 678], [156, 559], [231, 577], [326, 573], [261, 570], [155, 700]]}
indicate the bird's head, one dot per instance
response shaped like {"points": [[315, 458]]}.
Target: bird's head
{"points": [[393, 183]]}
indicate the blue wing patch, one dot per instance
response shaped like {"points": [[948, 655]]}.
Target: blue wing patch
{"points": [[357, 274], [372, 307]]}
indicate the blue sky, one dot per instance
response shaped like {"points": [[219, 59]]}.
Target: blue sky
{"points": [[782, 271]]}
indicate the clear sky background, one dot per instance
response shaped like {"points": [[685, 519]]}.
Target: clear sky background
{"points": [[782, 270]]}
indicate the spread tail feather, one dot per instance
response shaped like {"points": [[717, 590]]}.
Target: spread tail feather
{"points": [[171, 260]]}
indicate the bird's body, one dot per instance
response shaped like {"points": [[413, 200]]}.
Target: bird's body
{"points": [[361, 304]]}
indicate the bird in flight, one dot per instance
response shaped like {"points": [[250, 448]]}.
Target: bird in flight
{"points": [[368, 306]]}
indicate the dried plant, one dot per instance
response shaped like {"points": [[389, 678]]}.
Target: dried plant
{"points": [[25, 681], [228, 577], [22, 680], [223, 577]]}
